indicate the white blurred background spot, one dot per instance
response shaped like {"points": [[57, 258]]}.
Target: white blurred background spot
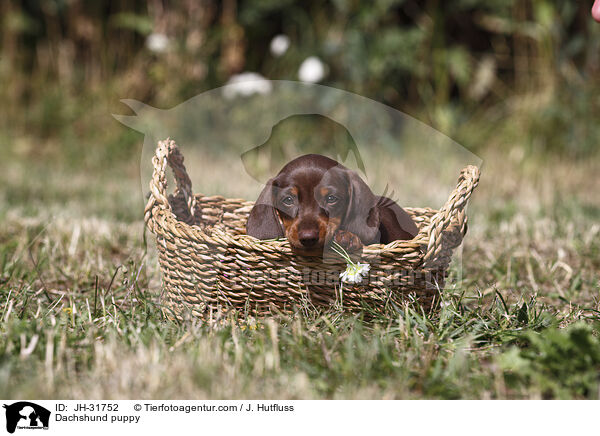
{"points": [[279, 45], [246, 84], [157, 42], [312, 70]]}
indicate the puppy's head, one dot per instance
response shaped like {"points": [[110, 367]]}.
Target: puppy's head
{"points": [[309, 200]]}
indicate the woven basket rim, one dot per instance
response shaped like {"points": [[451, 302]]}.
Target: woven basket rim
{"points": [[213, 233]]}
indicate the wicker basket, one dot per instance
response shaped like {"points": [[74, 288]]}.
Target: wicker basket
{"points": [[209, 265]]}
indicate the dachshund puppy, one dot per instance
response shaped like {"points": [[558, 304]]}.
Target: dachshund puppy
{"points": [[314, 200]]}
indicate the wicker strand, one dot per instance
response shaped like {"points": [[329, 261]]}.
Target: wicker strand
{"points": [[167, 152], [452, 212]]}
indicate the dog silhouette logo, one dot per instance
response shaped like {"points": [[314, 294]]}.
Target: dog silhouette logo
{"points": [[26, 415], [298, 135]]}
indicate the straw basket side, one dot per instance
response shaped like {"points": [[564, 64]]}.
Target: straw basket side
{"points": [[210, 266]]}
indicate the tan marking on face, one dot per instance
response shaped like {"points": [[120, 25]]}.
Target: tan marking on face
{"points": [[290, 226], [286, 221], [323, 230], [333, 226], [291, 233]]}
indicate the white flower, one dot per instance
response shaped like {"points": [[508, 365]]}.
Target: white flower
{"points": [[355, 272], [157, 42], [279, 45], [246, 84], [312, 70]]}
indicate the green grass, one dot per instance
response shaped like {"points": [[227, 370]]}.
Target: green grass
{"points": [[81, 316]]}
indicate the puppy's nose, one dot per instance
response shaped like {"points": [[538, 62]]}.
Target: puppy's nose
{"points": [[309, 237]]}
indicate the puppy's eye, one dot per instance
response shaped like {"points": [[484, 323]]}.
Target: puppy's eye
{"points": [[331, 199], [288, 201]]}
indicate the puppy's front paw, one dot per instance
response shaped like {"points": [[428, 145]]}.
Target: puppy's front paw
{"points": [[348, 240]]}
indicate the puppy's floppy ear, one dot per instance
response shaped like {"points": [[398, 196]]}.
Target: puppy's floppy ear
{"points": [[362, 215], [395, 223], [263, 221]]}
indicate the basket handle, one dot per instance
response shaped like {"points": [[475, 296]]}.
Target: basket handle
{"points": [[452, 211], [167, 152]]}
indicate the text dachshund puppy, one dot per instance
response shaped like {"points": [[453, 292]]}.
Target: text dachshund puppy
{"points": [[314, 200]]}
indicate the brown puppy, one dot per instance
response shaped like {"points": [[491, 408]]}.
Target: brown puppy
{"points": [[314, 200]]}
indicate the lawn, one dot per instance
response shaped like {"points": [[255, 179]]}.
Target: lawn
{"points": [[81, 309]]}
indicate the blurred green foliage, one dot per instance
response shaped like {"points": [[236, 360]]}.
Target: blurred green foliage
{"points": [[559, 361], [484, 72]]}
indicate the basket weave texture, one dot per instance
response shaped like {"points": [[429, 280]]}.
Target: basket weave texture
{"points": [[209, 265]]}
